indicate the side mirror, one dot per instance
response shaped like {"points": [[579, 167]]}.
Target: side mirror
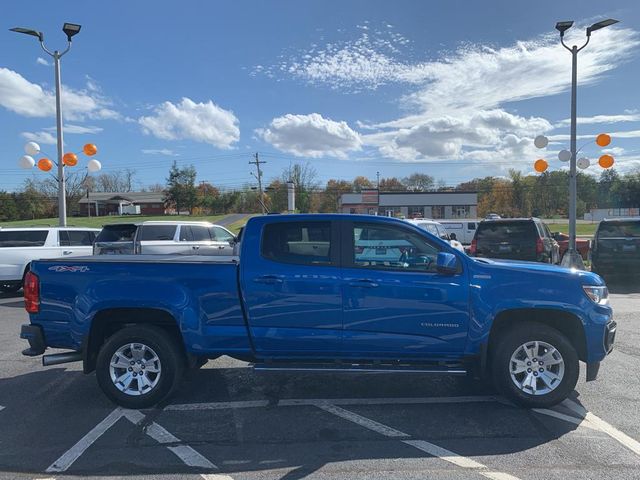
{"points": [[447, 263]]}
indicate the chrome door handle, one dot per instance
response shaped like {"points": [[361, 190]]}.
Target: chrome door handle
{"points": [[67, 252], [268, 279], [363, 283], [196, 247]]}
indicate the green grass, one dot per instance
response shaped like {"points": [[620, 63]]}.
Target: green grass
{"points": [[236, 226], [97, 222], [582, 228]]}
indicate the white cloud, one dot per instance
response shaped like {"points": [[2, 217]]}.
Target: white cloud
{"points": [[42, 61], [627, 117], [159, 151], [28, 99], [77, 129], [614, 135], [311, 136], [40, 137], [201, 122]]}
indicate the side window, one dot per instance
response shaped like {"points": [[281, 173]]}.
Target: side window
{"points": [[442, 233], [158, 232], [431, 228], [185, 233], [471, 226], [306, 243], [220, 234], [200, 233], [78, 238], [63, 238], [383, 247]]}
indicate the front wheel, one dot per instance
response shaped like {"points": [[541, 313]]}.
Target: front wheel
{"points": [[535, 365], [139, 366]]}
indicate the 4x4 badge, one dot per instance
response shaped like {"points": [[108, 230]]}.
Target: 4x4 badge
{"points": [[67, 268]]}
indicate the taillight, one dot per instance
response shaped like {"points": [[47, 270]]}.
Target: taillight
{"points": [[539, 246], [474, 247], [31, 293]]}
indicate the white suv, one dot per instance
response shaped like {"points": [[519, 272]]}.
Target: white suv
{"points": [[19, 246]]}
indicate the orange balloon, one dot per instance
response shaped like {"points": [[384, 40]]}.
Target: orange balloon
{"points": [[606, 161], [90, 149], [70, 159], [603, 139], [541, 165], [45, 164]]}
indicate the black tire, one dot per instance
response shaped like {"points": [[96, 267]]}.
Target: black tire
{"points": [[171, 361], [508, 344]]}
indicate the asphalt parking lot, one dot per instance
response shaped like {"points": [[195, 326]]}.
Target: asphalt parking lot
{"points": [[228, 422]]}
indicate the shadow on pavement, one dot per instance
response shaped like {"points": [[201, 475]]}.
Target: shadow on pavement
{"points": [[49, 410]]}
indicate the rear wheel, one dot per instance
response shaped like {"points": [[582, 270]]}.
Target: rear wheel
{"points": [[139, 366], [535, 365]]}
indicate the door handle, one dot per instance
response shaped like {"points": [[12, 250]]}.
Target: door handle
{"points": [[221, 247], [67, 252], [196, 247], [268, 279], [363, 283]]}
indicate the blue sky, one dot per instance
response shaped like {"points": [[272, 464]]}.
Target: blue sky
{"points": [[455, 89]]}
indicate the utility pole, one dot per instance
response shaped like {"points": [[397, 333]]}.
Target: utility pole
{"points": [[257, 162], [378, 181]]}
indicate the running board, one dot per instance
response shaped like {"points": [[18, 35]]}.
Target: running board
{"points": [[354, 367]]}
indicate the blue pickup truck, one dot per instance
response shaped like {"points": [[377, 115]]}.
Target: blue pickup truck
{"points": [[323, 293]]}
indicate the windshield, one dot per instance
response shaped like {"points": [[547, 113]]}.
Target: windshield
{"points": [[511, 232], [117, 233], [619, 229]]}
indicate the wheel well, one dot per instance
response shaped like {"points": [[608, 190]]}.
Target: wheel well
{"points": [[564, 322], [107, 322]]}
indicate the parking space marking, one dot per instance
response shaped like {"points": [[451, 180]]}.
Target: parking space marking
{"points": [[188, 455], [363, 421], [567, 418], [605, 427], [289, 402], [422, 445], [215, 476], [71, 455]]}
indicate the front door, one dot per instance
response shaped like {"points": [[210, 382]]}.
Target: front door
{"points": [[292, 290], [395, 303]]}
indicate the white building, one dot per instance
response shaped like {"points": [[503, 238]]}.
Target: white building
{"points": [[598, 214], [412, 204]]}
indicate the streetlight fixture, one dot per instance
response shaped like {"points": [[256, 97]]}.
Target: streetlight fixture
{"points": [[572, 258], [70, 29]]}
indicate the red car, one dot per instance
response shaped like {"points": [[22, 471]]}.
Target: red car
{"points": [[583, 246]]}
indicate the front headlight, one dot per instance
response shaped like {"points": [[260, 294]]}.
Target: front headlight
{"points": [[597, 294]]}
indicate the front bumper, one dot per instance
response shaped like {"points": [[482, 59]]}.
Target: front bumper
{"points": [[35, 336], [609, 339]]}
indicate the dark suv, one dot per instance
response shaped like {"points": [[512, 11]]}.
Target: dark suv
{"points": [[616, 248], [515, 238]]}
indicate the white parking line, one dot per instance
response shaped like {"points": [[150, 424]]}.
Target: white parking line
{"points": [[567, 418], [1, 408], [185, 453], [289, 402], [71, 455], [430, 448], [607, 428]]}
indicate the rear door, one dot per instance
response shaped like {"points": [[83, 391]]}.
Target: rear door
{"points": [[292, 290], [160, 239], [507, 239], [396, 304], [76, 243]]}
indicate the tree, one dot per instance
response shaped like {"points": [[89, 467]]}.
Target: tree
{"points": [[392, 184], [276, 193], [181, 190], [330, 200], [8, 207], [361, 183], [419, 182], [305, 179], [120, 181]]}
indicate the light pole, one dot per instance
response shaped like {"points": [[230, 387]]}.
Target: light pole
{"points": [[70, 29], [572, 258]]}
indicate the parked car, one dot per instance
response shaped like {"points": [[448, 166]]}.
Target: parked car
{"points": [[616, 248], [165, 237], [492, 216], [464, 229], [582, 245], [439, 230], [304, 294], [19, 246], [517, 239]]}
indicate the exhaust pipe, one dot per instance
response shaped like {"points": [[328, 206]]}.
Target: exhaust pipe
{"points": [[58, 358]]}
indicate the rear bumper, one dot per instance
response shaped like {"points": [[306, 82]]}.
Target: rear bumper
{"points": [[35, 336]]}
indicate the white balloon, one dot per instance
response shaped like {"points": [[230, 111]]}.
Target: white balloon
{"points": [[26, 162], [32, 148], [564, 155], [541, 141], [583, 163], [94, 165]]}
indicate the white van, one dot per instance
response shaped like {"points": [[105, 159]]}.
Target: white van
{"points": [[435, 228], [19, 246], [464, 229]]}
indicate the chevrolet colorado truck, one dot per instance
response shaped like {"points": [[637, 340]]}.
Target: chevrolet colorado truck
{"points": [[342, 293]]}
